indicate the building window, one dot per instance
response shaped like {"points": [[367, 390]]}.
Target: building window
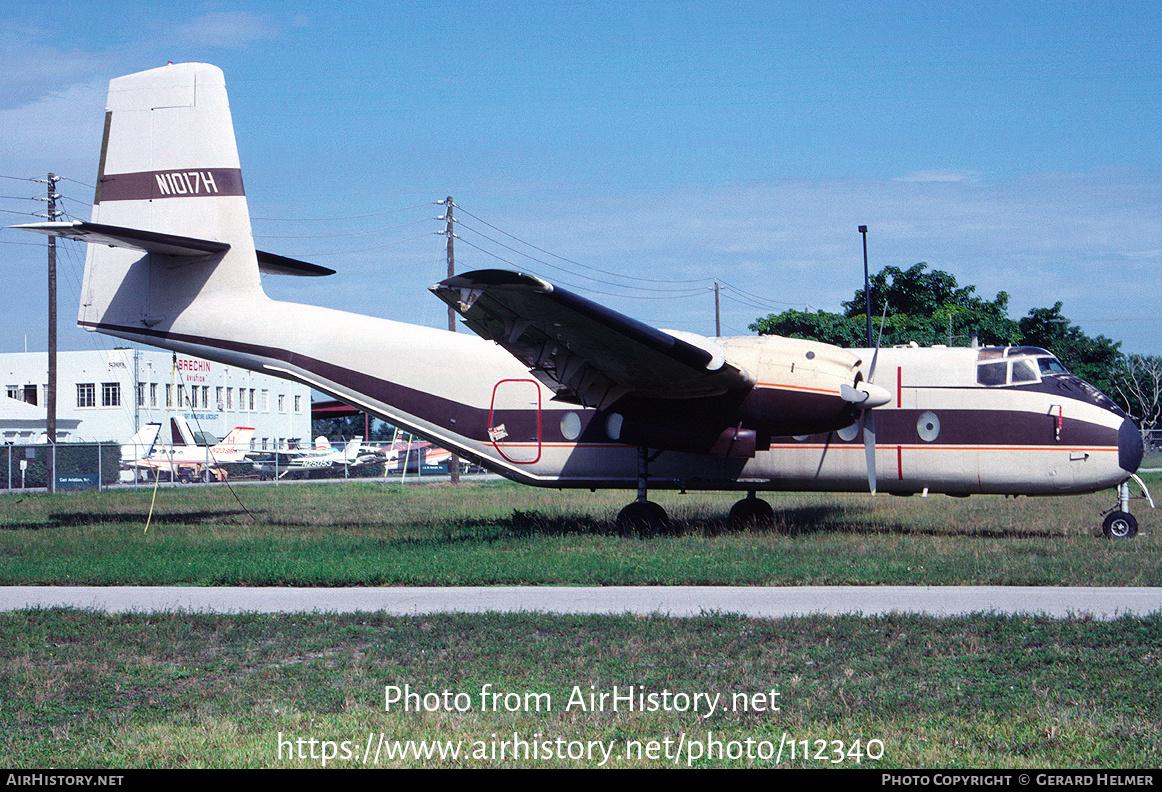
{"points": [[252, 390], [205, 397], [153, 394], [169, 395], [218, 397], [14, 392], [298, 404], [141, 394], [282, 402], [229, 398], [110, 394], [86, 394]]}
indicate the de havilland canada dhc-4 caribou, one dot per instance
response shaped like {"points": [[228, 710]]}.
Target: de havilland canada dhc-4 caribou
{"points": [[560, 391]]}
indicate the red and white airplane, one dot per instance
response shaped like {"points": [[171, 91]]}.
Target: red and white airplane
{"points": [[180, 456], [560, 391]]}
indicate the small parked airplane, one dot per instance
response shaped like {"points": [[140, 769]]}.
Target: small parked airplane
{"points": [[561, 391], [322, 457], [181, 457]]}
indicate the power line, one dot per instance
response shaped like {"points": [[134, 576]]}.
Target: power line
{"points": [[576, 263]]}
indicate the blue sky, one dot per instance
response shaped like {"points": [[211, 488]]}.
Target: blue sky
{"points": [[642, 149]]}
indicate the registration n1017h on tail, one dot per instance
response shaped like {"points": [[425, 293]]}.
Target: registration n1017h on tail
{"points": [[558, 390]]}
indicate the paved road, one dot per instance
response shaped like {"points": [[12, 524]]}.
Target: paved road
{"points": [[762, 602]]}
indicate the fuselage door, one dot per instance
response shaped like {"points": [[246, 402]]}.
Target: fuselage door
{"points": [[514, 421]]}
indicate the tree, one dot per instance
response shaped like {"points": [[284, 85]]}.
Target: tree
{"points": [[1095, 360], [927, 307], [1139, 387]]}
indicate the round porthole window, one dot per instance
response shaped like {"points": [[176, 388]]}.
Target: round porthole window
{"points": [[928, 426], [571, 426], [848, 433], [613, 426]]}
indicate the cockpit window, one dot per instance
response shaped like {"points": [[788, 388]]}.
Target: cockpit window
{"points": [[991, 373], [1024, 371], [1015, 365]]}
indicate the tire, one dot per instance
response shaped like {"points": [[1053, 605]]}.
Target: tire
{"points": [[642, 518], [1120, 525], [751, 512]]}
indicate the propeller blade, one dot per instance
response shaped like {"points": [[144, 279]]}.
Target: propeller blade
{"points": [[869, 447], [871, 374]]}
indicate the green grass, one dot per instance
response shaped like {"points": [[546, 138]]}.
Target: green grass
{"points": [[371, 534], [187, 690], [81, 689]]}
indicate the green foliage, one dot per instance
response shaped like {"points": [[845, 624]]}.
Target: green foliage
{"points": [[922, 306], [71, 459], [827, 327], [1095, 360]]}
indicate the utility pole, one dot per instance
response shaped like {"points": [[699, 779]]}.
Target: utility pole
{"points": [[50, 390], [717, 315], [454, 460]]}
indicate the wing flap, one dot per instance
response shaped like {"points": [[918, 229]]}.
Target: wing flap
{"points": [[587, 353]]}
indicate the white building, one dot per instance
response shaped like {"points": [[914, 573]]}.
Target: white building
{"points": [[113, 393]]}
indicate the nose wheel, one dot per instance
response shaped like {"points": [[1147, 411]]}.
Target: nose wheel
{"points": [[1119, 523]]}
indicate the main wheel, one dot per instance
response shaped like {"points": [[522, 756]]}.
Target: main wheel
{"points": [[751, 511], [642, 518], [1120, 525]]}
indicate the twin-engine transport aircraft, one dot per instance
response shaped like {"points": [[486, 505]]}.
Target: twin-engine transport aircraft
{"points": [[560, 391]]}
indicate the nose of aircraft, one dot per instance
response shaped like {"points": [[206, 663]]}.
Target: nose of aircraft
{"points": [[1130, 447]]}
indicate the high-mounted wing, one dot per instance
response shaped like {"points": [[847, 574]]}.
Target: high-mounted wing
{"points": [[587, 353]]}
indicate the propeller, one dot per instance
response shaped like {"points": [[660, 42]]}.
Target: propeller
{"points": [[865, 397]]}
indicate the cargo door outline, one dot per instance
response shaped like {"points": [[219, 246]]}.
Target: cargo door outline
{"points": [[514, 420]]}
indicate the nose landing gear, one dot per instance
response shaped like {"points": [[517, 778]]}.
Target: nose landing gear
{"points": [[1119, 523]]}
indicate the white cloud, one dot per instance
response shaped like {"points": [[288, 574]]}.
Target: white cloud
{"points": [[226, 29], [942, 175]]}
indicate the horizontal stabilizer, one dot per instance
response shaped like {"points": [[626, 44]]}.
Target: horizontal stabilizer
{"points": [[169, 245], [134, 238], [273, 264]]}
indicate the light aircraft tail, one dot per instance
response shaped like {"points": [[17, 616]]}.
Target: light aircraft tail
{"points": [[239, 437], [141, 444], [351, 453], [322, 443]]}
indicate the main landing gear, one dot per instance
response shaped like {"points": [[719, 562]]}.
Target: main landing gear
{"points": [[645, 518], [751, 511]]}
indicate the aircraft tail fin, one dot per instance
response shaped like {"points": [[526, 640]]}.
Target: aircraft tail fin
{"points": [[141, 445], [351, 453], [170, 198], [239, 437]]}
